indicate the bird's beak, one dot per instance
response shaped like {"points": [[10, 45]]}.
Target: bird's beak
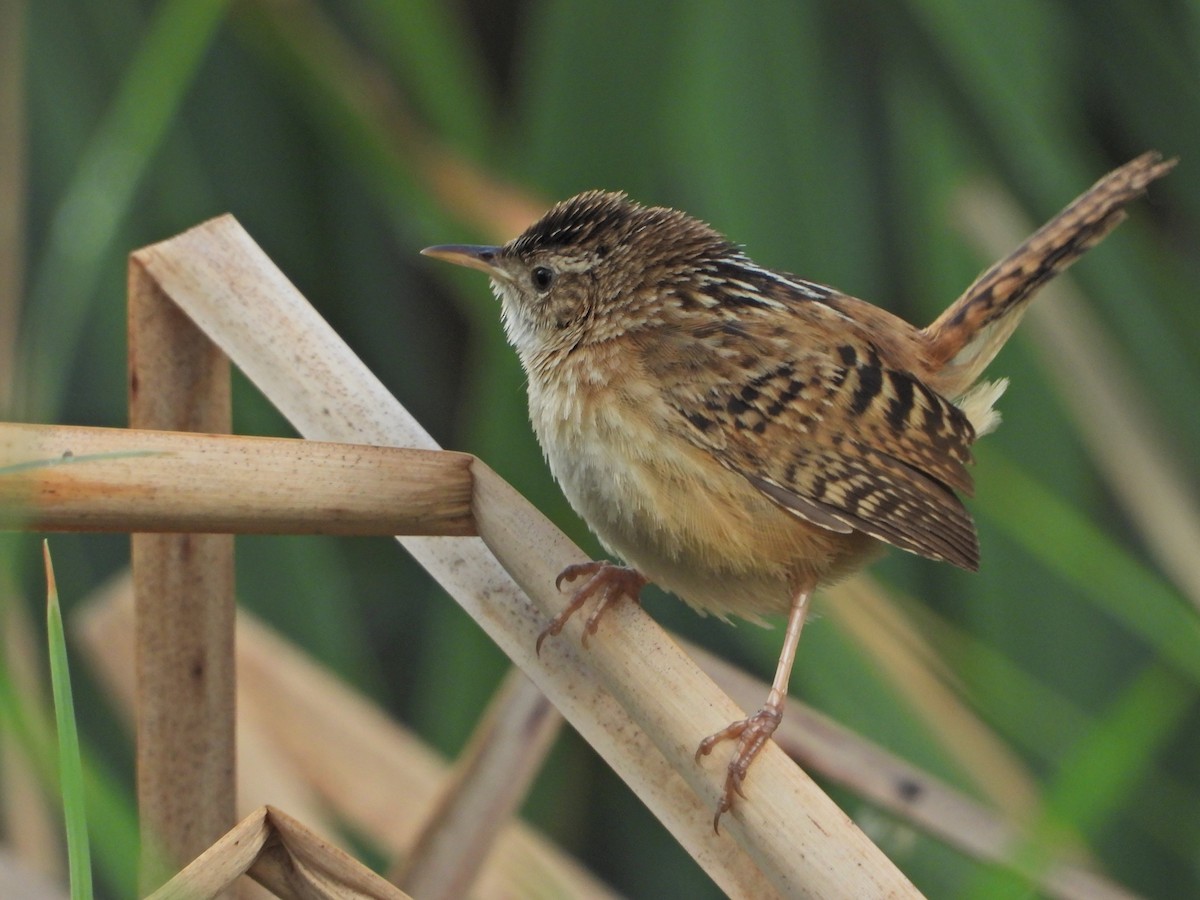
{"points": [[481, 258]]}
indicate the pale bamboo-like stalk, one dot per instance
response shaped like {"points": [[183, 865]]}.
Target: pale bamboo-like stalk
{"points": [[911, 794], [282, 855], [380, 779], [218, 867], [1091, 373], [634, 695], [180, 381], [489, 782], [306, 737], [67, 478]]}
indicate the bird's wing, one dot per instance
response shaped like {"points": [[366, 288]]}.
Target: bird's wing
{"points": [[806, 409]]}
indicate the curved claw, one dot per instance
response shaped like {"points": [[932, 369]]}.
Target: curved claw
{"points": [[553, 628], [571, 572], [751, 734], [609, 580], [723, 807]]}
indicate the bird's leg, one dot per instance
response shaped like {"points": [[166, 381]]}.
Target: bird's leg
{"points": [[753, 732], [606, 579]]}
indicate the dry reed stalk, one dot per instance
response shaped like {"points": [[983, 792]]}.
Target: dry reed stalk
{"points": [[896, 647], [1090, 373], [298, 726], [180, 381], [308, 741], [635, 696], [283, 856], [911, 794], [113, 479], [483, 793]]}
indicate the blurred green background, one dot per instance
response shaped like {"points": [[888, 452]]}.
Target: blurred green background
{"points": [[831, 139]]}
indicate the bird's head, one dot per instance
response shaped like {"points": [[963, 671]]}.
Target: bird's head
{"points": [[594, 268]]}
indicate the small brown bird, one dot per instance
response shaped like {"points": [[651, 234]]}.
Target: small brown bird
{"points": [[739, 435]]}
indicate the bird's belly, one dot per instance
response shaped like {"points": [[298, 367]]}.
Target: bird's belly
{"points": [[687, 523]]}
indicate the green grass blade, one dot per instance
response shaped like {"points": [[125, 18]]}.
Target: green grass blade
{"points": [[79, 856]]}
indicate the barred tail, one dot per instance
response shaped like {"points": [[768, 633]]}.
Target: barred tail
{"points": [[966, 337]]}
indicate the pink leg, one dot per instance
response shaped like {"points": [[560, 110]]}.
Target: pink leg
{"points": [[753, 732], [610, 581]]}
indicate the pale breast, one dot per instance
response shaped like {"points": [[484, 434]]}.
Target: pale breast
{"points": [[667, 507]]}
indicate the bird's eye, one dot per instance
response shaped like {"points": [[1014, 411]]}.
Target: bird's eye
{"points": [[542, 278]]}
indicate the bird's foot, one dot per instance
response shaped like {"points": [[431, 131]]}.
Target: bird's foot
{"points": [[604, 579], [751, 734]]}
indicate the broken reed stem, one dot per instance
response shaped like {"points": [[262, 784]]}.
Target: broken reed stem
{"points": [[65, 478], [304, 864], [283, 856], [329, 753], [634, 695], [184, 588], [911, 794], [485, 791], [381, 780]]}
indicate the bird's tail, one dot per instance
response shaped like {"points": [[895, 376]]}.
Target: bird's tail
{"points": [[965, 338]]}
